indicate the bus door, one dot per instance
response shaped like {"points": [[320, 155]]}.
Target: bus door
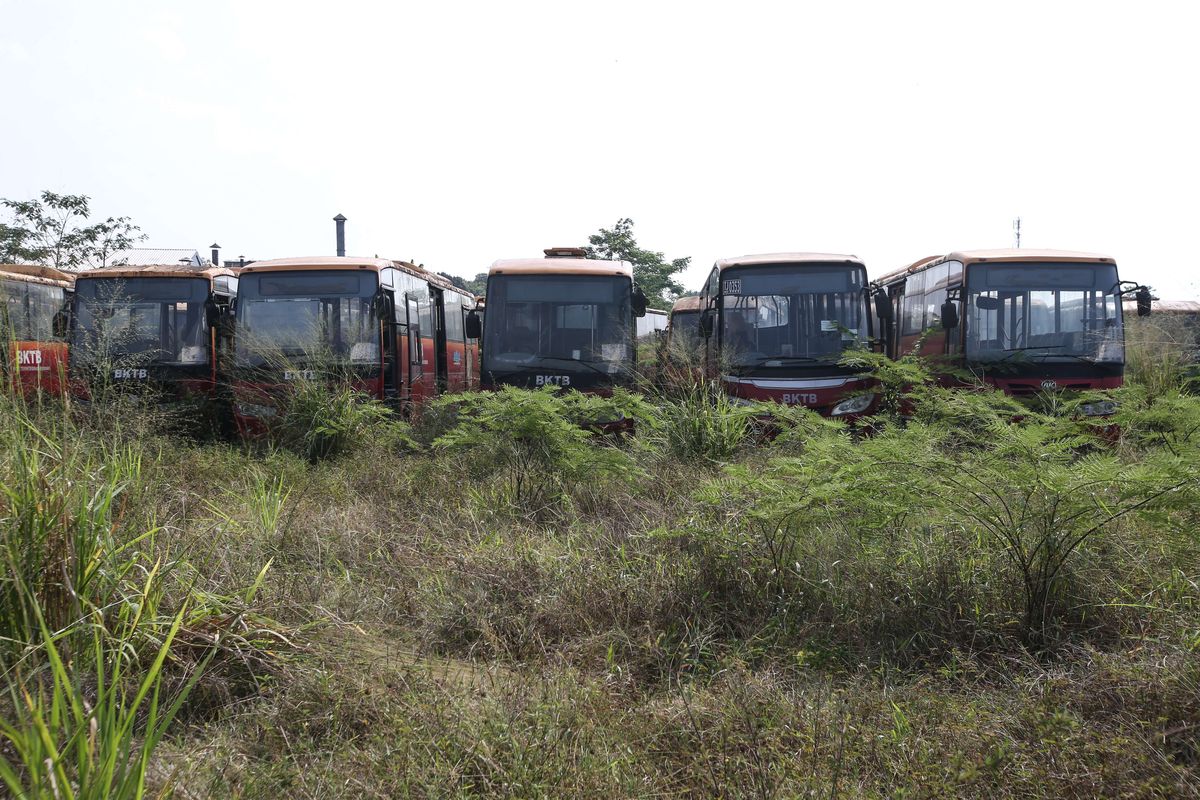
{"points": [[393, 350], [438, 298], [416, 354], [896, 298]]}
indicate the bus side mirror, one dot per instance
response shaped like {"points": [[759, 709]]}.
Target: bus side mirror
{"points": [[59, 324], [883, 306], [473, 325], [706, 324], [1143, 301], [639, 302], [381, 305], [949, 315], [212, 313]]}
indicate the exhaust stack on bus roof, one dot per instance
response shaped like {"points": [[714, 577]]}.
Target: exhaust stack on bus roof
{"points": [[340, 222]]}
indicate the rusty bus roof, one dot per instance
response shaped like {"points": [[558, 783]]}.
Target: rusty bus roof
{"points": [[158, 271], [36, 273], [560, 266], [440, 281], [686, 304], [787, 258], [1003, 255]]}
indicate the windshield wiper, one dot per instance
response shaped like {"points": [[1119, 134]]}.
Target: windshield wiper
{"points": [[1076, 356], [760, 361], [1013, 351], [530, 368]]}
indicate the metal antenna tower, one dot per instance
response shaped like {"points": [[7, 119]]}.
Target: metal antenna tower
{"points": [[1017, 231]]}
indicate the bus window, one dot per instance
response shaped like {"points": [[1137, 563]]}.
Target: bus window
{"points": [[913, 307]]}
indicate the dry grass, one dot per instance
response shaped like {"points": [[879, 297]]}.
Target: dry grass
{"points": [[655, 637]]}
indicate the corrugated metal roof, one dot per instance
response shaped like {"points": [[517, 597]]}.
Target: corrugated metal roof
{"points": [[149, 256]]}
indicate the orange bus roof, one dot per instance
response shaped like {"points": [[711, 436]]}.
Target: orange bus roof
{"points": [[786, 258], [686, 304], [351, 262], [158, 271], [37, 273], [1004, 255], [319, 262], [560, 266]]}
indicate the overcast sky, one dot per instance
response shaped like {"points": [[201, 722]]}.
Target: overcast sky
{"points": [[459, 133]]}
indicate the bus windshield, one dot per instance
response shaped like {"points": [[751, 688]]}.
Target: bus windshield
{"points": [[686, 325], [141, 321], [1044, 311], [282, 316], [780, 314], [559, 321], [27, 310]]}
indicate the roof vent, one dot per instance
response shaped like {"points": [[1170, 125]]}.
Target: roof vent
{"points": [[565, 252]]}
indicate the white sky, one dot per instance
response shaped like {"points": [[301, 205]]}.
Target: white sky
{"points": [[458, 133]]}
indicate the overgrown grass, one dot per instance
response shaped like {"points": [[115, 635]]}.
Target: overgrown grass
{"points": [[511, 600]]}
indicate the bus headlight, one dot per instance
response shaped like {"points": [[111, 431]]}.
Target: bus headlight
{"points": [[253, 410], [854, 405], [1100, 409]]}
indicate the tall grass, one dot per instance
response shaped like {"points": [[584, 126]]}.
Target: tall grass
{"points": [[99, 647], [1162, 352], [88, 732], [705, 425]]}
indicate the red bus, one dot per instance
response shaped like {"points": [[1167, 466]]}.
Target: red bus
{"points": [[160, 328], [563, 320], [775, 326], [33, 302], [1024, 321], [393, 330], [679, 355]]}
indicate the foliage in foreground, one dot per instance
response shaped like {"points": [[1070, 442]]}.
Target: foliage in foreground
{"points": [[987, 601], [102, 640]]}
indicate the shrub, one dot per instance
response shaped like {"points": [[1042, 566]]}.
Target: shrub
{"points": [[702, 423], [319, 421], [1024, 491], [537, 443]]}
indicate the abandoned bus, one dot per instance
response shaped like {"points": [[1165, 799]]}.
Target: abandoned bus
{"points": [[158, 328], [679, 356], [1173, 333], [33, 300], [1186, 311], [653, 322], [1025, 321], [775, 326], [389, 328], [563, 320], [684, 322]]}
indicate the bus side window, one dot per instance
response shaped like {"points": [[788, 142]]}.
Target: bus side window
{"points": [[912, 312], [935, 294], [454, 321]]}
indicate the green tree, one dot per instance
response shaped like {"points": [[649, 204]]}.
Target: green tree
{"points": [[53, 230], [651, 269], [455, 281], [478, 284]]}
